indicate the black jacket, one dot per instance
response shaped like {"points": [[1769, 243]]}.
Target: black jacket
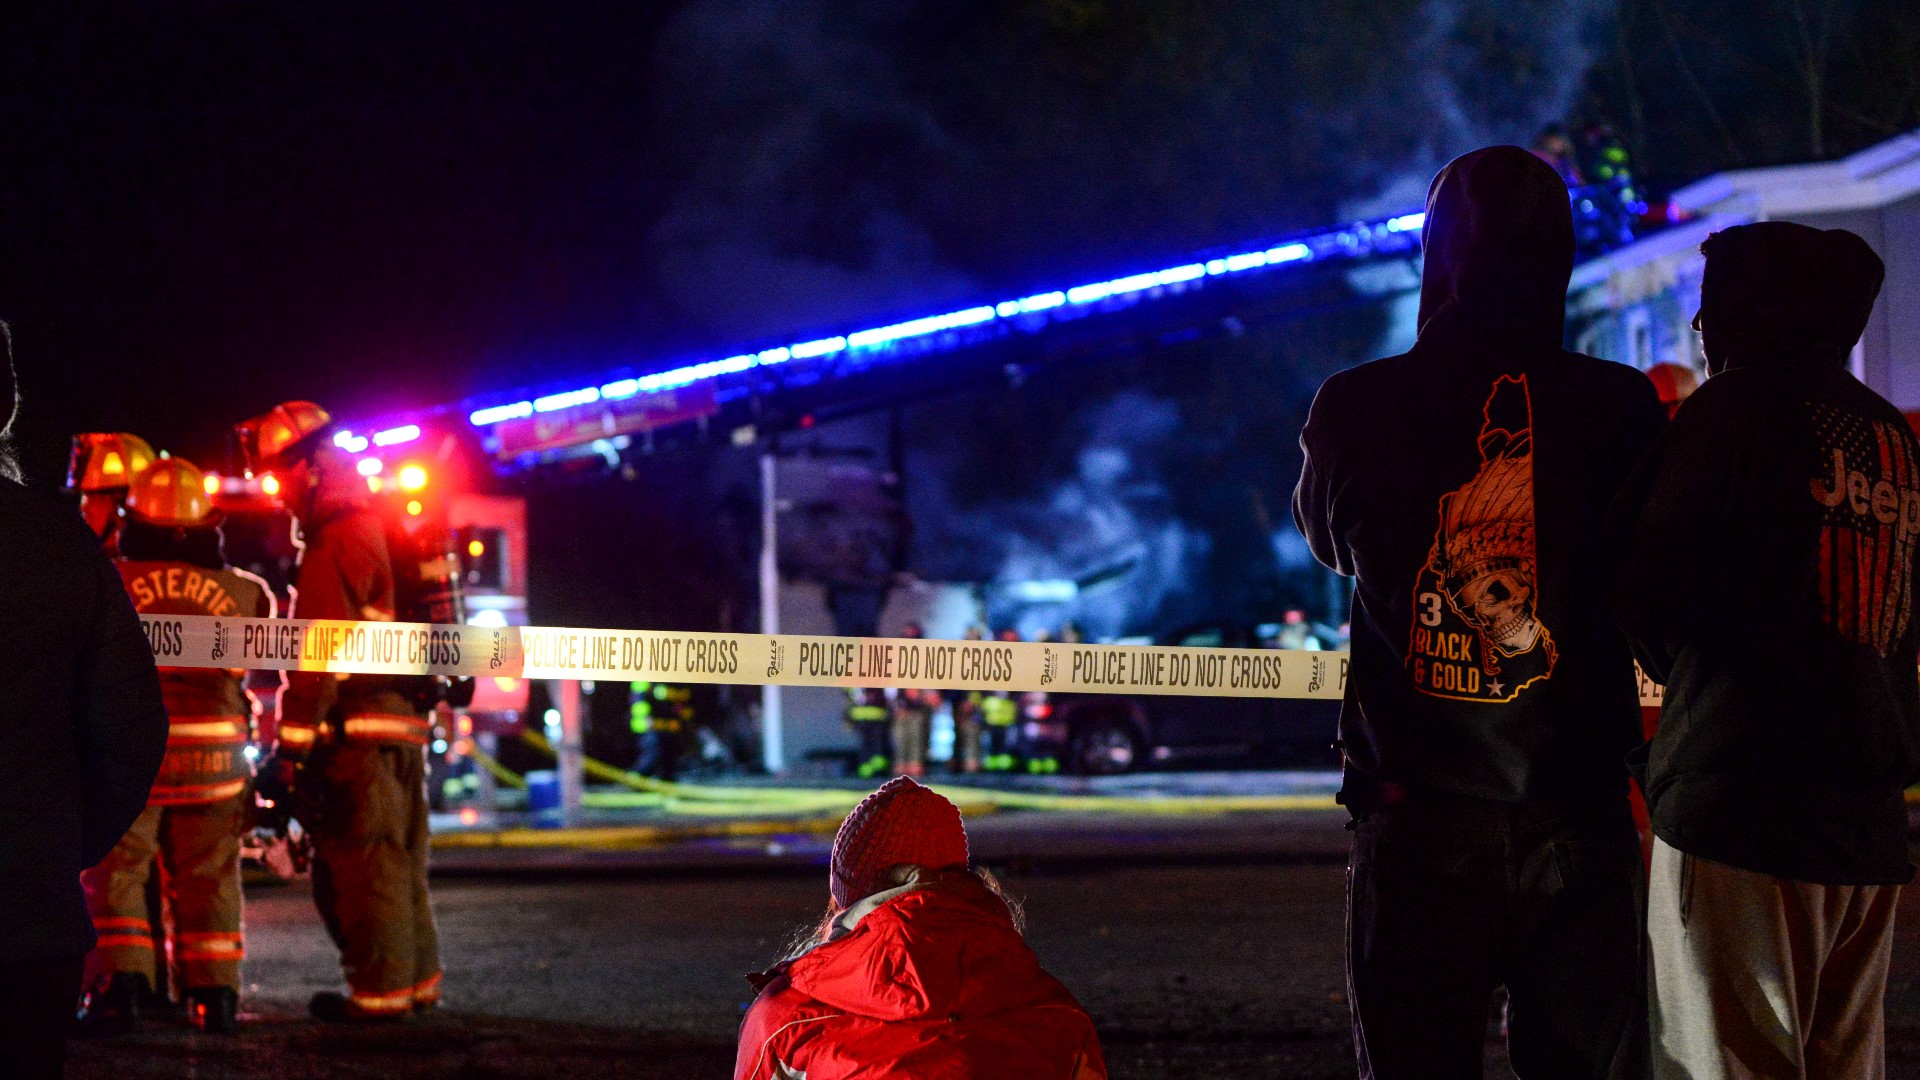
{"points": [[1464, 485], [1767, 575], [82, 727]]}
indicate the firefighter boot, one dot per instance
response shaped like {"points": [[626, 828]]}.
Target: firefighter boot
{"points": [[214, 1009], [338, 1008], [112, 1006]]}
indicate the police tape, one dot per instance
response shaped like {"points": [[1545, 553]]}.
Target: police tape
{"points": [[546, 652]]}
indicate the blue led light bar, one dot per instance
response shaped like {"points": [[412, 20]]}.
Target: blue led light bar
{"points": [[1357, 240], [515, 411], [556, 402]]}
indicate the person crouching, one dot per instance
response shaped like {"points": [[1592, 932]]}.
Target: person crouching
{"points": [[918, 969]]}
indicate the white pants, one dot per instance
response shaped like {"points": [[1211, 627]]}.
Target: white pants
{"points": [[1758, 976]]}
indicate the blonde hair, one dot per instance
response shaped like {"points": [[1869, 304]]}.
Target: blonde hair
{"points": [[818, 933]]}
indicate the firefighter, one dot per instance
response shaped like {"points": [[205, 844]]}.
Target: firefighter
{"points": [[1037, 705], [867, 715], [172, 564], [999, 715], [103, 464], [660, 715], [966, 717], [911, 711], [352, 748]]}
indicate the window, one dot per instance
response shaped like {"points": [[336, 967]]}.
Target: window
{"points": [[1639, 339]]}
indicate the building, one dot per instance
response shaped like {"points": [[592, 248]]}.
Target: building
{"points": [[1636, 304]]}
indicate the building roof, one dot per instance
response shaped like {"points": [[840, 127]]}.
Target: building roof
{"points": [[1878, 176], [1874, 177]]}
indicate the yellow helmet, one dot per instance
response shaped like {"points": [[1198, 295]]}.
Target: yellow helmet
{"points": [[269, 436], [106, 460], [171, 492]]}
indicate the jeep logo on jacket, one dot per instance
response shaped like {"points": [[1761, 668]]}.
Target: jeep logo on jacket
{"points": [[1870, 490]]}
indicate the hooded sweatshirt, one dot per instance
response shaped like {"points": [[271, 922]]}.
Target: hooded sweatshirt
{"points": [[930, 980], [1463, 485], [1766, 575]]}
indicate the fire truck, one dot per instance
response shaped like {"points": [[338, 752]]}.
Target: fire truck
{"points": [[418, 484]]}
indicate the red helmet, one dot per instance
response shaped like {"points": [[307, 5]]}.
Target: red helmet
{"points": [[1674, 383], [281, 431], [107, 460]]}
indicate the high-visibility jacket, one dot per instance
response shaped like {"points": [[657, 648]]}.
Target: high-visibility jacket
{"points": [[866, 706], [346, 572], [658, 707], [209, 713], [998, 710]]}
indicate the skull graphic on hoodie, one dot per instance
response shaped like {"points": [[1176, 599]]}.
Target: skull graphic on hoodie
{"points": [[1477, 634]]}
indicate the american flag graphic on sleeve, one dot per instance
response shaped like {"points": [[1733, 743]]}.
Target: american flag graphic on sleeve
{"points": [[1868, 485]]}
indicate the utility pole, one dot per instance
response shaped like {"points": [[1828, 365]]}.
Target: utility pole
{"points": [[772, 752], [569, 754]]}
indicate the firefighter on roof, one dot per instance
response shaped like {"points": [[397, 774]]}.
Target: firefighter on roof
{"points": [[172, 564], [351, 748], [100, 471]]}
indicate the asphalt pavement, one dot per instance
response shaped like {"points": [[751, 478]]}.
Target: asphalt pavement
{"points": [[1204, 947]]}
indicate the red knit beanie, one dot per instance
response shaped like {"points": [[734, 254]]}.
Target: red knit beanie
{"points": [[903, 822]]}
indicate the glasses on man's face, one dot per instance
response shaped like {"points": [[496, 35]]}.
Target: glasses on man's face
{"points": [[1696, 323]]}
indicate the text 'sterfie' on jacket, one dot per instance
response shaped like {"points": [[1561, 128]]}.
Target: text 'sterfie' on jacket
{"points": [[209, 713]]}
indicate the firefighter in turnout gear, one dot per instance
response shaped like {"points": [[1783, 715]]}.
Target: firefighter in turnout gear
{"points": [[869, 717], [1036, 705], [966, 718], [999, 716], [912, 716], [660, 715], [172, 564], [100, 472], [352, 748]]}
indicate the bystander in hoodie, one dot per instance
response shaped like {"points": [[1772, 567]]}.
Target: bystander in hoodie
{"points": [[919, 968], [82, 732], [1767, 555], [1491, 700]]}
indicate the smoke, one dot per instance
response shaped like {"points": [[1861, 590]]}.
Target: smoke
{"points": [[810, 168], [845, 160], [1493, 73], [1108, 526]]}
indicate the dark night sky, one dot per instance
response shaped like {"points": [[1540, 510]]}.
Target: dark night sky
{"points": [[206, 208], [200, 217]]}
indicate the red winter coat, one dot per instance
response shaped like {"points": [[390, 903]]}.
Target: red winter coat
{"points": [[931, 982]]}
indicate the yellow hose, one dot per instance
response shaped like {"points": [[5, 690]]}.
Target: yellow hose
{"points": [[721, 800]]}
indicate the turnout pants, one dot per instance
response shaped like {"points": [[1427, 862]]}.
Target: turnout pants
{"points": [[198, 847], [1758, 976], [1450, 897], [911, 727], [370, 874], [875, 739]]}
